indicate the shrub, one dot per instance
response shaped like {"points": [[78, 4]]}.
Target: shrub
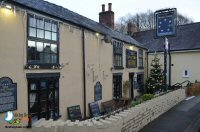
{"points": [[194, 89], [146, 97]]}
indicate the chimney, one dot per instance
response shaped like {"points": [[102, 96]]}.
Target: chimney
{"points": [[109, 6], [107, 17], [103, 7], [132, 28]]}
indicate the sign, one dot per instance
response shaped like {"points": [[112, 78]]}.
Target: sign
{"points": [[165, 22], [97, 91], [131, 58], [74, 113], [8, 95], [94, 109]]}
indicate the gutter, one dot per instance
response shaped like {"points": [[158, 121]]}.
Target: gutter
{"points": [[84, 73]]}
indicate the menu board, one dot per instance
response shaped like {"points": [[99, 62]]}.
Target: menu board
{"points": [[131, 58], [97, 91], [8, 95], [94, 109], [74, 113]]}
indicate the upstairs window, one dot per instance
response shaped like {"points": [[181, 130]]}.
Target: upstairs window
{"points": [[141, 59], [118, 55], [42, 41]]}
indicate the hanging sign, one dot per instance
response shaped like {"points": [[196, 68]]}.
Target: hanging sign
{"points": [[165, 21], [131, 58], [8, 95]]}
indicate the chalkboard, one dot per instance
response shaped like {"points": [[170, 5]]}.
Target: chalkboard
{"points": [[74, 113], [97, 91], [8, 95], [94, 109], [131, 58]]}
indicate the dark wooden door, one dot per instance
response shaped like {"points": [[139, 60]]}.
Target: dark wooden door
{"points": [[117, 86]]}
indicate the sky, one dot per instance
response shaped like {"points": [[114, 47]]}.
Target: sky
{"points": [[91, 8]]}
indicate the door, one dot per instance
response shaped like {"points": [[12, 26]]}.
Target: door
{"points": [[43, 98], [117, 86], [131, 79]]}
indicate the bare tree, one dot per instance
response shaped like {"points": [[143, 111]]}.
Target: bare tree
{"points": [[145, 21]]}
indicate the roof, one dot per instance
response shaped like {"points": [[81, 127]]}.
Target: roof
{"points": [[72, 17], [187, 38]]}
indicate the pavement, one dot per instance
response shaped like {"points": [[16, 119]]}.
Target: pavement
{"points": [[184, 117]]}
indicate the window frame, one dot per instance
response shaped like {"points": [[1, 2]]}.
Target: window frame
{"points": [[117, 45], [140, 59], [42, 64]]}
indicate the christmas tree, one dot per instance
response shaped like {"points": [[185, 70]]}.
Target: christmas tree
{"points": [[155, 82]]}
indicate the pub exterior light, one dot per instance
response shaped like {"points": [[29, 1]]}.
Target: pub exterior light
{"points": [[8, 7]]}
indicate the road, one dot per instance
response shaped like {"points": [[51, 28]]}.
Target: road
{"points": [[184, 117]]}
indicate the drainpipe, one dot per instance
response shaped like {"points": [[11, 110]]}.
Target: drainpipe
{"points": [[147, 63], [170, 63], [84, 76]]}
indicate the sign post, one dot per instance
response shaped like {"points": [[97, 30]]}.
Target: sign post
{"points": [[165, 21]]}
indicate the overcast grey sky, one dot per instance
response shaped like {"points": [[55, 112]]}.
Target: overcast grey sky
{"points": [[91, 8]]}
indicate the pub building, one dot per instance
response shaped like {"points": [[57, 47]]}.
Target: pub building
{"points": [[54, 60]]}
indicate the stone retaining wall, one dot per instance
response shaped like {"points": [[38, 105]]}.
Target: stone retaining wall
{"points": [[132, 119]]}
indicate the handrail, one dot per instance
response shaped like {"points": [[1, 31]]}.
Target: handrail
{"points": [[181, 84]]}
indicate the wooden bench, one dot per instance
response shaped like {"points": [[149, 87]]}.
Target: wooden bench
{"points": [[112, 105], [108, 106]]}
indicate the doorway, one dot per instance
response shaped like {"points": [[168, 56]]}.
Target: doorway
{"points": [[131, 79]]}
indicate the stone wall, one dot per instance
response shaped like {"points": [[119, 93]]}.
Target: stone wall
{"points": [[132, 119]]}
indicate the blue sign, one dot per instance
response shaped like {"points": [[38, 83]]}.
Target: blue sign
{"points": [[8, 95], [131, 58], [94, 109], [97, 91], [165, 22]]}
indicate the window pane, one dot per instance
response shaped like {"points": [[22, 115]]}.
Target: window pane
{"points": [[53, 48], [32, 22], [41, 57], [40, 33], [43, 85], [39, 47], [32, 32], [40, 23], [47, 35], [31, 51], [54, 36], [47, 58], [54, 27], [54, 58], [31, 44], [48, 26], [47, 47]]}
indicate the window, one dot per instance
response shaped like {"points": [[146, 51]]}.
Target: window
{"points": [[141, 56], [43, 98], [186, 73], [42, 41], [117, 86], [118, 54]]}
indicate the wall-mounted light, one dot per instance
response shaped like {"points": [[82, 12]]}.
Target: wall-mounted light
{"points": [[131, 47], [97, 34], [107, 39], [8, 7]]}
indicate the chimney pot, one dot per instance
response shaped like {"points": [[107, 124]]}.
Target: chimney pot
{"points": [[103, 7], [109, 6]]}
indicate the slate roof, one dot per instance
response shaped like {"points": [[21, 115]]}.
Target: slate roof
{"points": [[187, 38], [72, 17]]}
